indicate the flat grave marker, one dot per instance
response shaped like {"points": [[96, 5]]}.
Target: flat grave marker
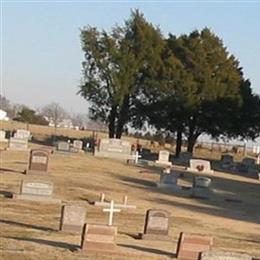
{"points": [[156, 225], [72, 218], [221, 255]]}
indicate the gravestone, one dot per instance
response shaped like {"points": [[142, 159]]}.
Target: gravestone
{"points": [[168, 181], [77, 146], [163, 158], [248, 165], [37, 190], [221, 255], [63, 146], [227, 161], [72, 218], [201, 187], [191, 246], [18, 144], [98, 238], [2, 136], [114, 148], [22, 133], [201, 166], [38, 163], [156, 225]]}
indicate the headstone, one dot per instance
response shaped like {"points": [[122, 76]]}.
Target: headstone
{"points": [[77, 146], [72, 218], [227, 161], [201, 187], [37, 190], [63, 146], [201, 166], [248, 165], [38, 163], [163, 158], [256, 149], [114, 148], [22, 133], [248, 161], [168, 181], [18, 144], [156, 225], [98, 238], [221, 255], [191, 246], [2, 136]]}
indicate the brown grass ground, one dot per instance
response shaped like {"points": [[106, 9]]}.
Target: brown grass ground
{"points": [[29, 229]]}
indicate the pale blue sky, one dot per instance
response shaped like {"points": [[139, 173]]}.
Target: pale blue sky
{"points": [[41, 46]]}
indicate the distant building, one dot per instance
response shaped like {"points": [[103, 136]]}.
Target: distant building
{"points": [[3, 115]]}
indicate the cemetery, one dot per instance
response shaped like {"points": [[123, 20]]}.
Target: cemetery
{"points": [[127, 138], [69, 205]]}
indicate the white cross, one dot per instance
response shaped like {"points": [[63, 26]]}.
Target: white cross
{"points": [[111, 211]]}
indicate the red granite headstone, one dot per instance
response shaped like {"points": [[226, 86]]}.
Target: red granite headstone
{"points": [[191, 246], [38, 163]]}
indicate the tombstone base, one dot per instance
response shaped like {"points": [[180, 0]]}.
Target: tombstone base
{"points": [[193, 170], [168, 186], [36, 198], [18, 150], [161, 163], [71, 228], [155, 237], [33, 172], [93, 247], [201, 193]]}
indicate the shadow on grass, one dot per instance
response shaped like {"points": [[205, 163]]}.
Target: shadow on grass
{"points": [[6, 194], [148, 250], [10, 170], [71, 247], [10, 222]]}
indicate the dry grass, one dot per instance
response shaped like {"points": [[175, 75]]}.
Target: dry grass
{"points": [[29, 229]]}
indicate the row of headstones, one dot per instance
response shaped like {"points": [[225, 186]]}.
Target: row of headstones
{"points": [[96, 237]]}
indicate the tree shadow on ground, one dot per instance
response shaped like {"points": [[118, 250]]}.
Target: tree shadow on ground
{"points": [[10, 170], [10, 222], [233, 199], [149, 250], [71, 247]]}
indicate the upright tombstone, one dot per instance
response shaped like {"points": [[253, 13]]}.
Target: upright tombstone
{"points": [[163, 158], [72, 218], [114, 148], [77, 146], [191, 246], [201, 187], [23, 134], [63, 146], [37, 190], [97, 238], [38, 163], [248, 165], [227, 162], [221, 255], [201, 166], [168, 181], [2, 137], [156, 225], [18, 144]]}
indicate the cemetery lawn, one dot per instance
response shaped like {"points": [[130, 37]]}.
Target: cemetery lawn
{"points": [[29, 229]]}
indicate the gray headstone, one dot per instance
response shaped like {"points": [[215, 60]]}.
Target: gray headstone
{"points": [[72, 218], [38, 163], [63, 146], [164, 158], [114, 148], [18, 144], [23, 134], [2, 136], [77, 144]]}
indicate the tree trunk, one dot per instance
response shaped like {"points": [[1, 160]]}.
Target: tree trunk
{"points": [[192, 141], [111, 124], [178, 143], [123, 116]]}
